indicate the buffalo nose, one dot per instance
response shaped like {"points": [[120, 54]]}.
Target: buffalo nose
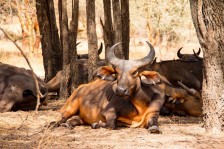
{"points": [[121, 91]]}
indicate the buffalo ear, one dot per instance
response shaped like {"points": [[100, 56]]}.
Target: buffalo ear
{"points": [[150, 77], [105, 73]]}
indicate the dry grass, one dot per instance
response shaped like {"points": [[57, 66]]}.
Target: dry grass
{"points": [[25, 130]]}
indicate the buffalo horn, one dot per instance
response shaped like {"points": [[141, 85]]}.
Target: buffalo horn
{"points": [[77, 43], [138, 63], [111, 56], [191, 91], [100, 49], [179, 54], [197, 55], [146, 60], [199, 51]]}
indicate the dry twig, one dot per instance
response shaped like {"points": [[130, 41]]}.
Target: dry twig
{"points": [[22, 122]]}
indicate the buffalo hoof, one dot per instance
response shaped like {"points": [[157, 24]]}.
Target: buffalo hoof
{"points": [[95, 126], [154, 129], [53, 124], [98, 125], [66, 125]]}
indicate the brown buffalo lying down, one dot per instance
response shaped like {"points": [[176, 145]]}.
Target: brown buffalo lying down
{"points": [[124, 95], [179, 101], [133, 100], [17, 89]]}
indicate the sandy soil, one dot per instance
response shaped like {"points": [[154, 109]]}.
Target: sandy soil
{"points": [[29, 130]]}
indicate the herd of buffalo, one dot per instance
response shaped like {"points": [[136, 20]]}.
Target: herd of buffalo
{"points": [[129, 93]]}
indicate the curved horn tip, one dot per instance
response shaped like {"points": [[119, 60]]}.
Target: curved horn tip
{"points": [[199, 51], [100, 49], [151, 47], [152, 52], [149, 44], [179, 54], [78, 43], [110, 54], [194, 51]]}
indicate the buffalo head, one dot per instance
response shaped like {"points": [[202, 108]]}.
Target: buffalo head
{"points": [[128, 71], [189, 57]]}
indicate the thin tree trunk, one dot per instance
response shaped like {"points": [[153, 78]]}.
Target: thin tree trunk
{"points": [[63, 20], [125, 27], [92, 37], [117, 27], [73, 37], [208, 23], [107, 27], [51, 51]]}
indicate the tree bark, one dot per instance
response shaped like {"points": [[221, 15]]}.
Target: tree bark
{"points": [[117, 27], [63, 20], [51, 51], [108, 34], [125, 21], [73, 38], [92, 38], [209, 27]]}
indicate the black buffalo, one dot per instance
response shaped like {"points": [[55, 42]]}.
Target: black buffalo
{"points": [[189, 57], [17, 89], [187, 72]]}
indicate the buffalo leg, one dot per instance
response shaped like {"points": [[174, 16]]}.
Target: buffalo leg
{"points": [[152, 122], [68, 110], [75, 122], [153, 115], [6, 102], [110, 117]]}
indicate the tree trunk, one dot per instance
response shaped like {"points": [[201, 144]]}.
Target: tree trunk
{"points": [[107, 27], [125, 27], [51, 51], [92, 37], [63, 20], [73, 37], [209, 27], [117, 27]]}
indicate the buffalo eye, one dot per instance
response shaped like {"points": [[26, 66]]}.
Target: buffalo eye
{"points": [[134, 74]]}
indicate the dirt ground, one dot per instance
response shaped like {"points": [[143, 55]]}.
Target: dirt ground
{"points": [[29, 130], [20, 130]]}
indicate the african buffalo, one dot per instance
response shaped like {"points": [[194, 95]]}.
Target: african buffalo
{"points": [[188, 72], [17, 89], [189, 57], [54, 84], [181, 101], [133, 99]]}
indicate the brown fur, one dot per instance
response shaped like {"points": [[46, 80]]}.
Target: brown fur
{"points": [[96, 102]]}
